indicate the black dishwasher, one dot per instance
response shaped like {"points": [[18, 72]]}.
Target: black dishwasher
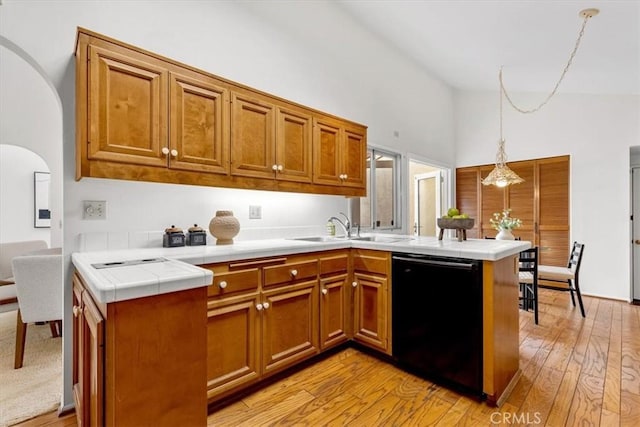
{"points": [[437, 319]]}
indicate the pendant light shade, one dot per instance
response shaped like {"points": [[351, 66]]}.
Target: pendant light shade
{"points": [[502, 175]]}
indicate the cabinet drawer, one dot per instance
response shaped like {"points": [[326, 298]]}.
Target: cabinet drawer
{"points": [[290, 272], [236, 281], [370, 263], [334, 264]]}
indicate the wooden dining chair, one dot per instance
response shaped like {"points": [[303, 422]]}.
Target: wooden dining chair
{"points": [[528, 279], [567, 275]]}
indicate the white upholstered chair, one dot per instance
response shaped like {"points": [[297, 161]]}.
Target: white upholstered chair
{"points": [[8, 296], [38, 279]]}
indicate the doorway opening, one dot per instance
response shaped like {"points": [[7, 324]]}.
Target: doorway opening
{"points": [[429, 194]]}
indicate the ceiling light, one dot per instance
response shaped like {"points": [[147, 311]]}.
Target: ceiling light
{"points": [[502, 175]]}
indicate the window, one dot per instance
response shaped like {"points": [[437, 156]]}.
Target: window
{"points": [[379, 211]]}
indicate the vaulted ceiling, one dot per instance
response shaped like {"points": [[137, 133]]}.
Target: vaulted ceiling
{"points": [[465, 42]]}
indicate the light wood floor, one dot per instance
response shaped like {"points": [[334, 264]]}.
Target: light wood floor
{"points": [[575, 372]]}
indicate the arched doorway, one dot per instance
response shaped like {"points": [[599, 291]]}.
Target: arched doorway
{"points": [[22, 191], [31, 119]]}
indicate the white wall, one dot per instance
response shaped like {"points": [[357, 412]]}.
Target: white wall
{"points": [[30, 118], [308, 52], [17, 166], [596, 131]]}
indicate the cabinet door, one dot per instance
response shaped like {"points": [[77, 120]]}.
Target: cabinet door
{"points": [[370, 310], [127, 108], [327, 163], [92, 360], [521, 200], [232, 343], [354, 158], [467, 196], [199, 125], [553, 208], [293, 145], [492, 199], [252, 137], [78, 353], [290, 325], [333, 310]]}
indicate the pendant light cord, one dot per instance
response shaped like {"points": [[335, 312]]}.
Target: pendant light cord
{"points": [[555, 89]]}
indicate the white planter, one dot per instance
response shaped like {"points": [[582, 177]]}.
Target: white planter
{"points": [[505, 235]]}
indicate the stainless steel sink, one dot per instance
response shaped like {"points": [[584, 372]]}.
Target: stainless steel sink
{"points": [[382, 239], [318, 239]]}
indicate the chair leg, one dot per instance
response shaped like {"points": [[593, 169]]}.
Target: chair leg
{"points": [[54, 329], [573, 299], [21, 336], [577, 286], [535, 301]]}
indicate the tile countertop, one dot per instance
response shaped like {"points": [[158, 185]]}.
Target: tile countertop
{"points": [[179, 271]]}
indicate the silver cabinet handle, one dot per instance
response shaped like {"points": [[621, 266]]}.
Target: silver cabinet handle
{"points": [[354, 284], [325, 291], [165, 150], [174, 153], [259, 307], [294, 272], [223, 284]]}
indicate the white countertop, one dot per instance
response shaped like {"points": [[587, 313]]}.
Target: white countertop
{"points": [[180, 271]]}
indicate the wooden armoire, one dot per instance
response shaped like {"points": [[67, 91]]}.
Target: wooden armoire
{"points": [[541, 202]]}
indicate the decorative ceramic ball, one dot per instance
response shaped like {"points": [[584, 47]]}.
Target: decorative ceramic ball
{"points": [[224, 227]]}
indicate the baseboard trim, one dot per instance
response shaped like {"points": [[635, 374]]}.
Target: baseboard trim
{"points": [[66, 410]]}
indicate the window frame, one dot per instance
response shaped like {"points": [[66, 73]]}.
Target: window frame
{"points": [[397, 158]]}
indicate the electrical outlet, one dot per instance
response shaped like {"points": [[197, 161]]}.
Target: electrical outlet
{"points": [[94, 209], [255, 212]]}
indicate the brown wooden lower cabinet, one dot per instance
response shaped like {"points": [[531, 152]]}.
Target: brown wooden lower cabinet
{"points": [[335, 313], [140, 361], [88, 358], [263, 318], [258, 318], [289, 325], [266, 315], [371, 299]]}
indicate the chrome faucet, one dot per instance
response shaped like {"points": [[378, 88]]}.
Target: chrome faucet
{"points": [[346, 225]]}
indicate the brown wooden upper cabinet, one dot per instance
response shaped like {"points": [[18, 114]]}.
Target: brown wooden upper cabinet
{"points": [[140, 116], [128, 100], [133, 102], [269, 141], [199, 124], [340, 153], [541, 202]]}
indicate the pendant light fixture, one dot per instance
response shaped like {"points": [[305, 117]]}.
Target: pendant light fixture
{"points": [[502, 175]]}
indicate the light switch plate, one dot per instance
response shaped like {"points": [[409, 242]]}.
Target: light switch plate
{"points": [[94, 209], [255, 212]]}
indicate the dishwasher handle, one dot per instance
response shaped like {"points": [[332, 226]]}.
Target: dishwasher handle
{"points": [[438, 263]]}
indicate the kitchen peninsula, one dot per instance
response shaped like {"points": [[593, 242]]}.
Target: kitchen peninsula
{"points": [[325, 283]]}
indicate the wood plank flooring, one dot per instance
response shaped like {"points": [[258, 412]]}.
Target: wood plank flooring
{"points": [[575, 372]]}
